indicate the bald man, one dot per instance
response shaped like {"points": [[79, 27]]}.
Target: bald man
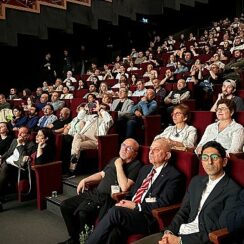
{"points": [[119, 174], [158, 184]]}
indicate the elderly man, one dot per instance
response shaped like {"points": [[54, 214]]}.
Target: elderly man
{"points": [[228, 90], [158, 184], [48, 117], [206, 203], [146, 106], [121, 172], [56, 102], [64, 118], [123, 104], [15, 157]]}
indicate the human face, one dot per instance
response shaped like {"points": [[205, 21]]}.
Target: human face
{"points": [[223, 112], [213, 163], [23, 134], [40, 137], [54, 97], [106, 99], [47, 110], [139, 85], [150, 94], [128, 150], [122, 93], [227, 88], [159, 153], [16, 113], [181, 84], [3, 128], [177, 116]]}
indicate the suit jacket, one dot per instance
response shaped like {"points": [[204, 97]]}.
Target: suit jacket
{"points": [[213, 212], [126, 108], [167, 188], [24, 150]]}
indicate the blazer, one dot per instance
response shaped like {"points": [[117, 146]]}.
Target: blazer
{"points": [[24, 150], [213, 213], [168, 187], [126, 108]]}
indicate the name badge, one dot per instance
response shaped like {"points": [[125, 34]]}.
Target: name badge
{"points": [[150, 199], [115, 189]]}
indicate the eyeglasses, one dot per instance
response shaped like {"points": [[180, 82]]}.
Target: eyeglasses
{"points": [[176, 114], [127, 148], [221, 109], [214, 157]]}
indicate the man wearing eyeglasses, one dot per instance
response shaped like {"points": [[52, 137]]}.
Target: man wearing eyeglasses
{"points": [[119, 175], [206, 203], [158, 184]]}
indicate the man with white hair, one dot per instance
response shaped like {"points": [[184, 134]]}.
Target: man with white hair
{"points": [[228, 90]]}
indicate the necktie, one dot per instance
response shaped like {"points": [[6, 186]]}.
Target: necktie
{"points": [[144, 186]]}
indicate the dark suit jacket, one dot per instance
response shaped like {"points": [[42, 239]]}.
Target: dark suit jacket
{"points": [[214, 211], [24, 150], [168, 188]]}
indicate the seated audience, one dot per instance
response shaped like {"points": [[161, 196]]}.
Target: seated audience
{"points": [[13, 94], [18, 120], [205, 205], [32, 118], [82, 209], [150, 191], [3, 103], [92, 126], [56, 102], [66, 93], [92, 90], [48, 117], [45, 146], [58, 125], [225, 131], [180, 136], [16, 156], [141, 90], [5, 137], [228, 90], [147, 106], [123, 104]]}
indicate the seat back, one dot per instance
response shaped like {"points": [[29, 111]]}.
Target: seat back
{"points": [[200, 120], [239, 117]]}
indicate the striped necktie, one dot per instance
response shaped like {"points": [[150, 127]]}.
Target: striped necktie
{"points": [[144, 186]]}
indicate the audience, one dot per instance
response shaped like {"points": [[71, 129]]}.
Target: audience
{"points": [[180, 136], [226, 131], [83, 208], [206, 203]]}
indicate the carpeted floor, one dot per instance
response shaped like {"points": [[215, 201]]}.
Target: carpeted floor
{"points": [[23, 223]]}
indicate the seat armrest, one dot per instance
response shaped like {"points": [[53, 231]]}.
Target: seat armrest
{"points": [[119, 196], [217, 235], [164, 215]]}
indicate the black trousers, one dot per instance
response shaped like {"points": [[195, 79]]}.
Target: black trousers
{"points": [[7, 172], [118, 224], [81, 210]]}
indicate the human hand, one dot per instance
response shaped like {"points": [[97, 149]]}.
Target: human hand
{"points": [[126, 204], [81, 187], [169, 239], [118, 162]]}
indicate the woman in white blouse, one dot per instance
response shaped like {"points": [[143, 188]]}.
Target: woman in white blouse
{"points": [[225, 131], [181, 136]]}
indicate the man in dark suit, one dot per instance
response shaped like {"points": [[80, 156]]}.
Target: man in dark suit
{"points": [[157, 185], [206, 203], [18, 153]]}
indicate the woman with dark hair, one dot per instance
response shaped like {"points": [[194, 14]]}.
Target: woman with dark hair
{"points": [[225, 131], [45, 146], [18, 119], [5, 138], [181, 136]]}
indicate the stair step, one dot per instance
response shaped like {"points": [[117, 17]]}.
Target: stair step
{"points": [[53, 203], [69, 190]]}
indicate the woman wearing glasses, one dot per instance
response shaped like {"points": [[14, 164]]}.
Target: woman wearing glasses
{"points": [[181, 136], [225, 131]]}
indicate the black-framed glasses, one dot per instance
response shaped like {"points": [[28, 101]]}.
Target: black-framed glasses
{"points": [[214, 157]]}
